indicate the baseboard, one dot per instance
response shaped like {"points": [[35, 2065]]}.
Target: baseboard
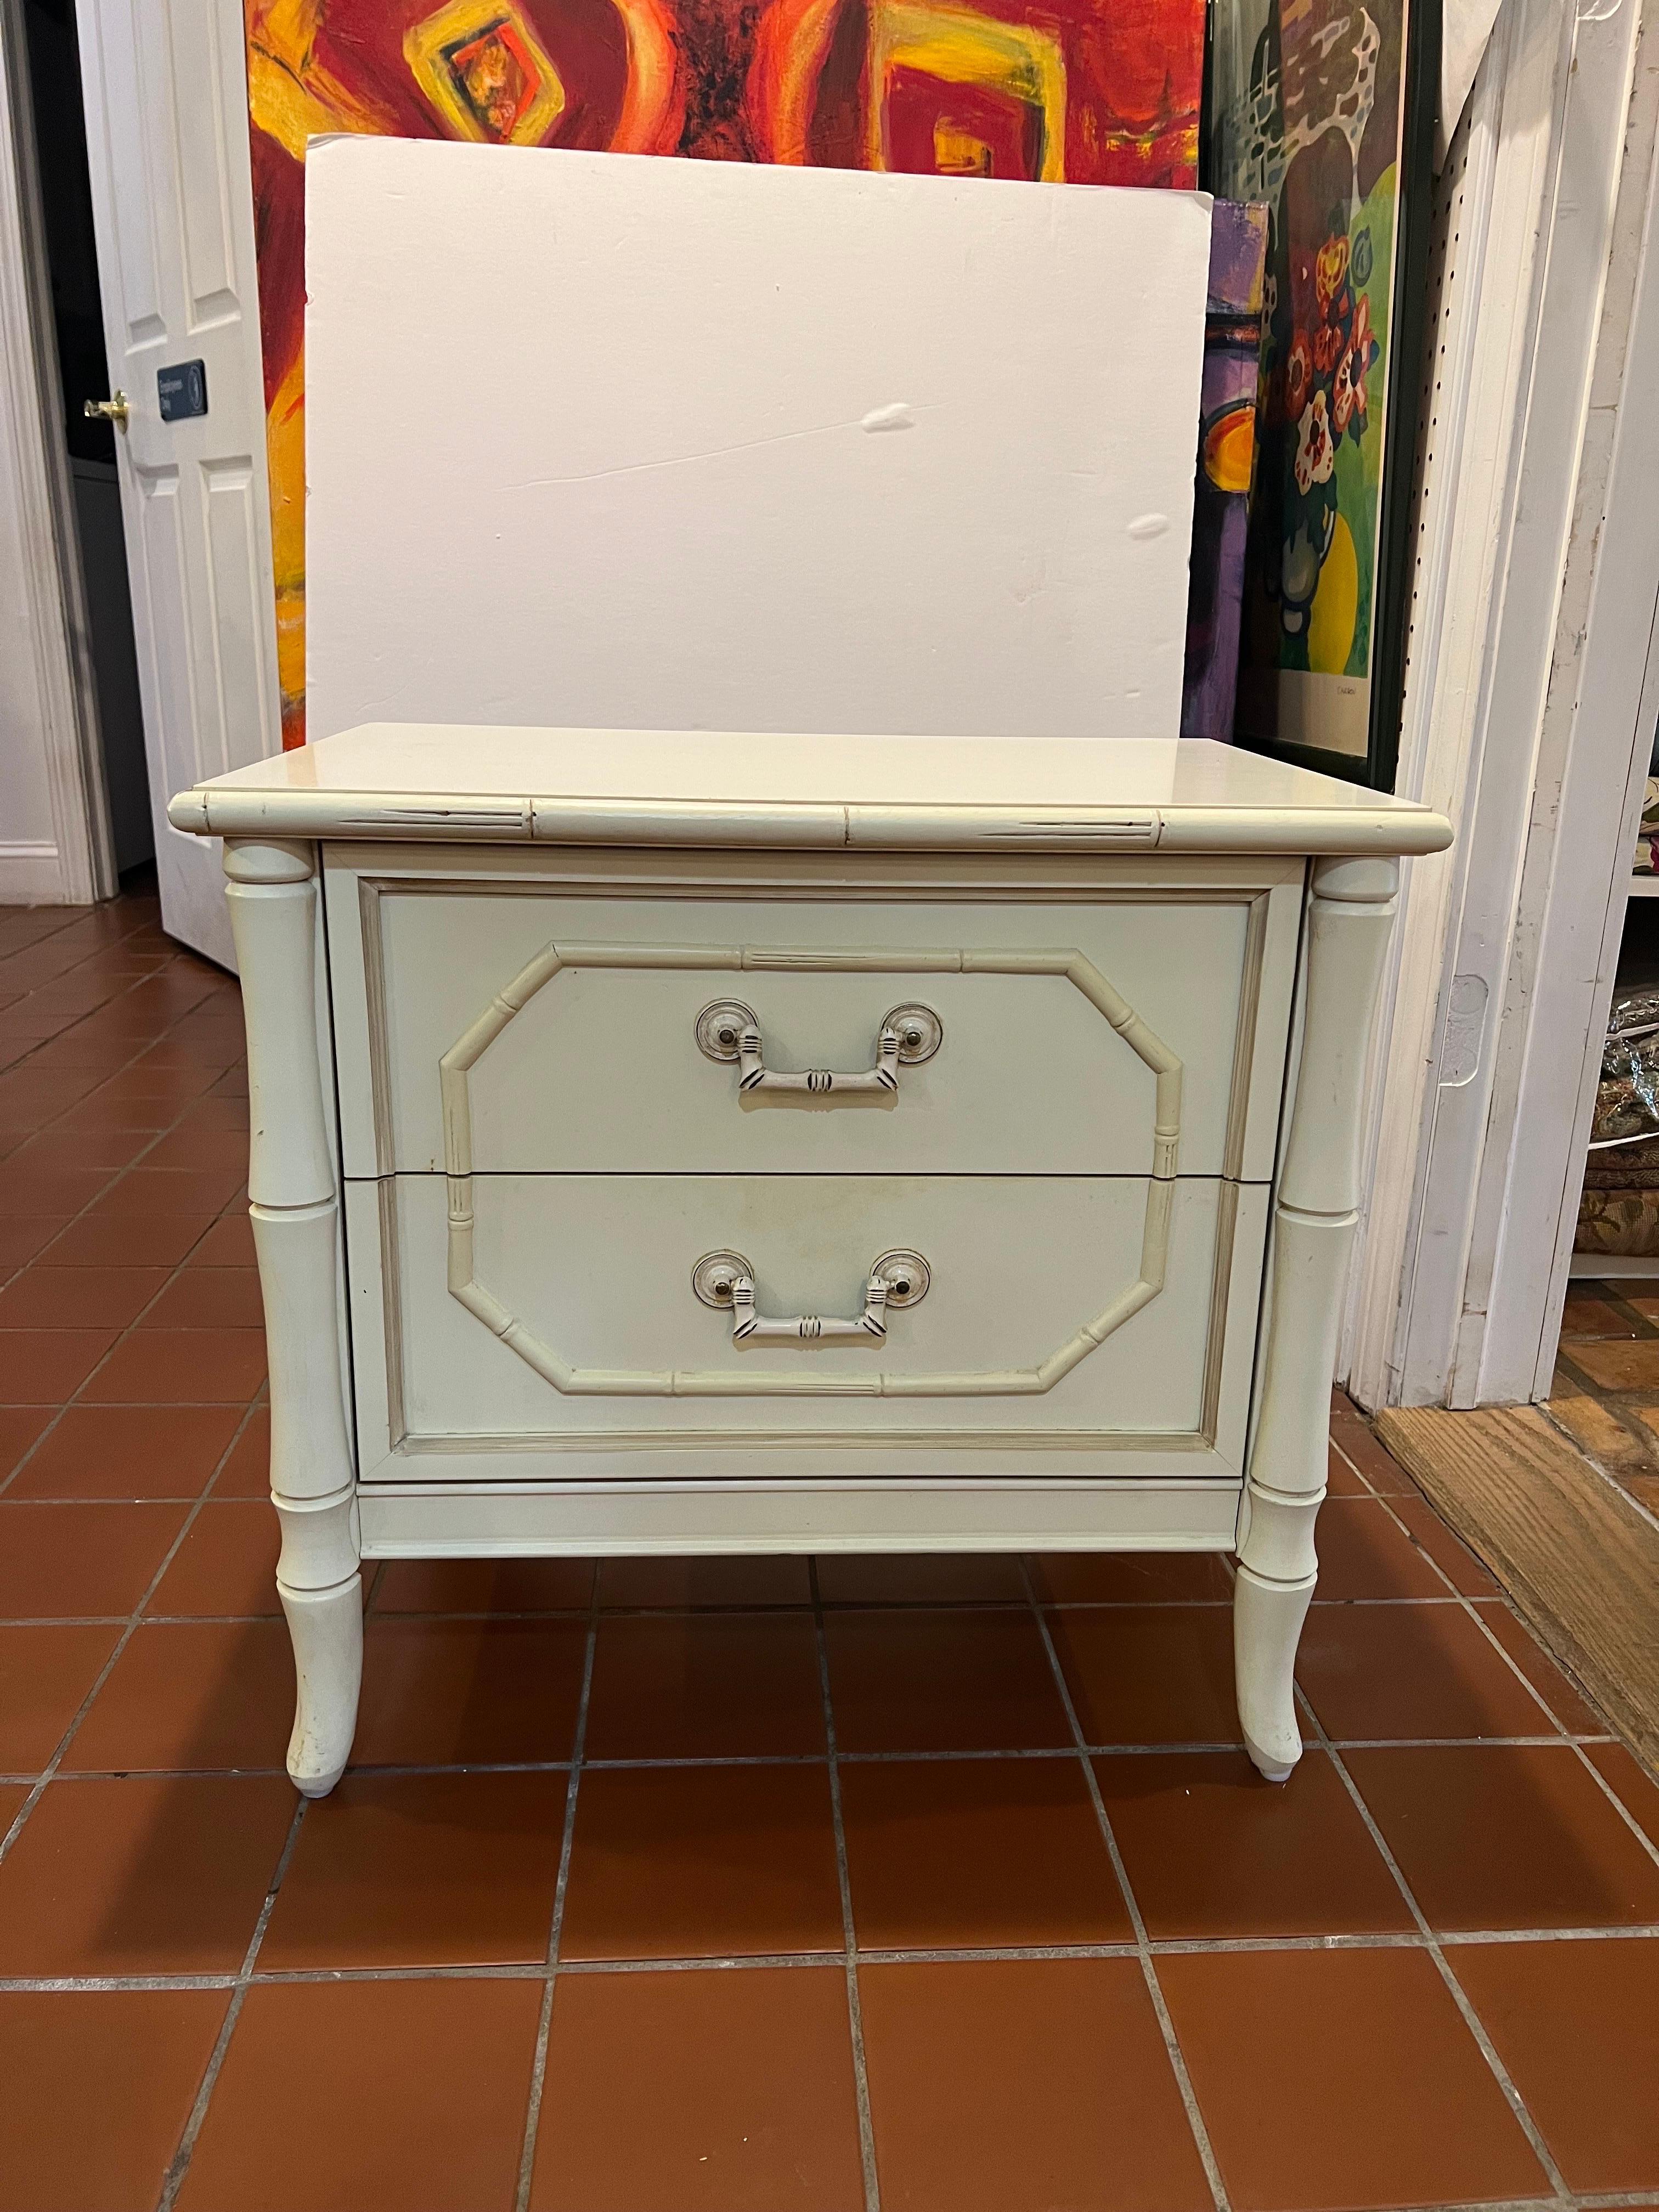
{"points": [[1578, 1559], [31, 874]]}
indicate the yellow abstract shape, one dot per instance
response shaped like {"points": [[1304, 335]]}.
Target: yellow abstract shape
{"points": [[1335, 605], [958, 153], [1230, 448], [486, 73], [289, 98], [960, 47], [285, 466]]}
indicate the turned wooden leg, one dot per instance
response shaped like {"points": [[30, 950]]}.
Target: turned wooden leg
{"points": [[326, 1630], [1267, 1618], [292, 1203], [1349, 918]]}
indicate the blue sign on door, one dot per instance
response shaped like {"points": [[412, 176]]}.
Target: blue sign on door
{"points": [[182, 390]]}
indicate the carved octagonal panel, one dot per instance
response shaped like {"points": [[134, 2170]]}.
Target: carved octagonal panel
{"points": [[457, 1064]]}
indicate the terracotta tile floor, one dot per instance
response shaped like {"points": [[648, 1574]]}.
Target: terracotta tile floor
{"points": [[730, 1886], [1605, 1392]]}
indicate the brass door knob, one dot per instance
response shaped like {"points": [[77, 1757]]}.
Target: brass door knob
{"points": [[112, 410]]}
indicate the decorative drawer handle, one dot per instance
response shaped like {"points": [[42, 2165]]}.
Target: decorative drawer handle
{"points": [[725, 1281], [727, 1030]]}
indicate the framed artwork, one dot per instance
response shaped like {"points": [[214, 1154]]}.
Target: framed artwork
{"points": [[1088, 91], [1324, 110], [1227, 466]]}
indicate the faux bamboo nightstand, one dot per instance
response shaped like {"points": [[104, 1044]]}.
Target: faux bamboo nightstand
{"points": [[678, 1142]]}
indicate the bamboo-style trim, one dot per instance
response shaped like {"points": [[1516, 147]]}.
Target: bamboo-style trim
{"points": [[476, 1040], [1244, 1036], [1350, 912], [221, 808], [294, 1208]]}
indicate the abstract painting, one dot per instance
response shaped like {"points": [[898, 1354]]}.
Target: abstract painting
{"points": [[1226, 458], [1318, 110], [1090, 91]]}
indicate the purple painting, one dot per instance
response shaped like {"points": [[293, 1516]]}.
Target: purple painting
{"points": [[1226, 453]]}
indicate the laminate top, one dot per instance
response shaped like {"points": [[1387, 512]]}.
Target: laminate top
{"points": [[450, 782]]}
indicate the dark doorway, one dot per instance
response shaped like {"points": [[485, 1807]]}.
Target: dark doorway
{"points": [[60, 138]]}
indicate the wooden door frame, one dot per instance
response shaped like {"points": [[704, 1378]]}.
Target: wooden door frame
{"points": [[1528, 1204], [1537, 582], [78, 865]]}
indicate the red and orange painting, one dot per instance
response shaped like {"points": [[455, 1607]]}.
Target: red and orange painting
{"points": [[1089, 91]]}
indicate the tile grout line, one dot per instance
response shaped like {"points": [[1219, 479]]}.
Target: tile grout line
{"points": [[865, 1758], [1433, 1945], [1468, 1607], [164, 960], [698, 1962], [849, 1931], [551, 1964], [1455, 1989], [133, 1620], [1564, 1734], [387, 1770], [180, 2165], [73, 917], [167, 961], [1612, 1795], [157, 1137], [1196, 2122]]}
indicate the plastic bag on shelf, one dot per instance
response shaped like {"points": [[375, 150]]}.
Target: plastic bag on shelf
{"points": [[1627, 1097]]}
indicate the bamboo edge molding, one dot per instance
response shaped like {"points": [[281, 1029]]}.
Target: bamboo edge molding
{"points": [[460, 817]]}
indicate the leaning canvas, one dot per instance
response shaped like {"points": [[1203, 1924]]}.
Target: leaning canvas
{"points": [[608, 442], [1226, 468], [1102, 92], [1319, 111]]}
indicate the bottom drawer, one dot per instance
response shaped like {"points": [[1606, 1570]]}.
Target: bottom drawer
{"points": [[559, 1333]]}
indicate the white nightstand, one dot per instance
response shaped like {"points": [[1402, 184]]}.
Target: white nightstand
{"points": [[678, 1142]]}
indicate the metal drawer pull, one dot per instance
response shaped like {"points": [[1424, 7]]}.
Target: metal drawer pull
{"points": [[727, 1030], [725, 1281]]}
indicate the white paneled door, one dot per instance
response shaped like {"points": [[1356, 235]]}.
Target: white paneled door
{"points": [[166, 96]]}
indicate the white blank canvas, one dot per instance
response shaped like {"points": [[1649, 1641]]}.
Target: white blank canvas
{"points": [[594, 440]]}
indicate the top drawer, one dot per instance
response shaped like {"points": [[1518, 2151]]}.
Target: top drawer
{"points": [[555, 1029]]}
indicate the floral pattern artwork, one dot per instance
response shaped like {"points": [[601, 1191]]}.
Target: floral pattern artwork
{"points": [[1311, 117], [1090, 91]]}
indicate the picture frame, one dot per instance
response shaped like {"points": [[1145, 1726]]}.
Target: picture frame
{"points": [[1325, 110]]}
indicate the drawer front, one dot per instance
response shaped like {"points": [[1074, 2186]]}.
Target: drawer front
{"points": [[535, 1031], [1101, 1315]]}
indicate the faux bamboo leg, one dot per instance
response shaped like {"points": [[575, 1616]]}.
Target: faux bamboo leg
{"points": [[293, 1204], [1350, 914]]}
